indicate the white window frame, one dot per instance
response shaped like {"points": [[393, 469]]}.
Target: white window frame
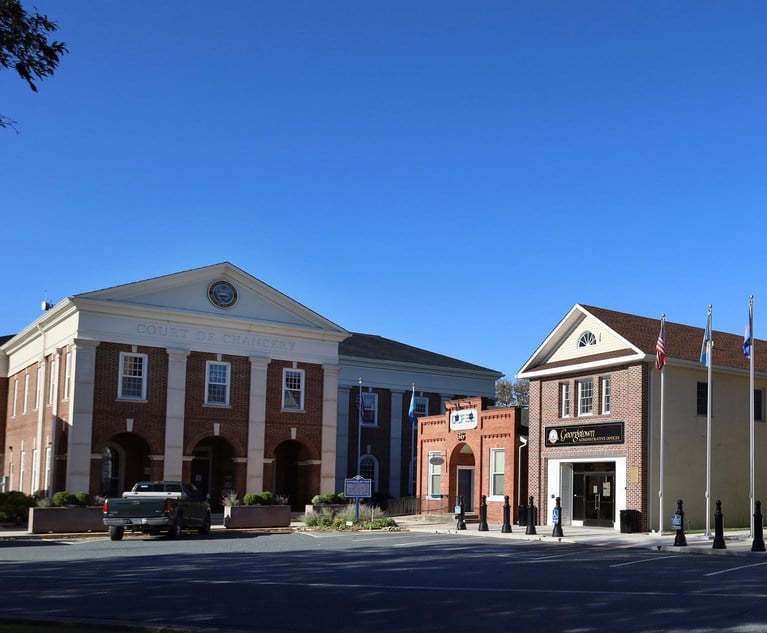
{"points": [[370, 410], [124, 356], [26, 393], [495, 454], [209, 365], [292, 390], [606, 393], [435, 474], [585, 400], [15, 396], [53, 384], [38, 388], [564, 400], [67, 374]]}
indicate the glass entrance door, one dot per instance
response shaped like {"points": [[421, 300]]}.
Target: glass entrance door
{"points": [[594, 494]]}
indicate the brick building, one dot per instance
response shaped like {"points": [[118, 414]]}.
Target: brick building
{"points": [[471, 451], [595, 422], [212, 376]]}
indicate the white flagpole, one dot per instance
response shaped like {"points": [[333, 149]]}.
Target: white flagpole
{"points": [[709, 359], [751, 407], [662, 407], [412, 470]]}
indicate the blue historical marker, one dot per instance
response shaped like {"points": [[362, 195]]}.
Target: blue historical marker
{"points": [[358, 488]]}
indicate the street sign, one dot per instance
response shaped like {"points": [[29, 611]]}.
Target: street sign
{"points": [[676, 521], [358, 488], [555, 515]]}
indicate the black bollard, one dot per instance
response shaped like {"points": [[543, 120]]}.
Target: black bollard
{"points": [[483, 514], [530, 518], [557, 519], [679, 540], [758, 544], [506, 527], [718, 527], [460, 515]]}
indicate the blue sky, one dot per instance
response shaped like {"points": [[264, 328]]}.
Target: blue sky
{"points": [[452, 175]]}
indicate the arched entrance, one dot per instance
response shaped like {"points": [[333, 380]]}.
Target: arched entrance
{"points": [[462, 476], [124, 461], [292, 475], [213, 469]]}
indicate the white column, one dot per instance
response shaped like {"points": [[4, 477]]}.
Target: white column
{"points": [[254, 477], [174, 416], [329, 428], [81, 416], [395, 444]]}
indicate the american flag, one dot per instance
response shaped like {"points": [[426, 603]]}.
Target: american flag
{"points": [[660, 347]]}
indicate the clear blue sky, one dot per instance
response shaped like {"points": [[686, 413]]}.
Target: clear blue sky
{"points": [[452, 175]]}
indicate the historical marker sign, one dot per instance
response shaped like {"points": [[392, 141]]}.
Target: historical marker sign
{"points": [[358, 488]]}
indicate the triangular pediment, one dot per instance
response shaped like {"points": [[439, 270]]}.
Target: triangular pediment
{"points": [[217, 291], [580, 338]]}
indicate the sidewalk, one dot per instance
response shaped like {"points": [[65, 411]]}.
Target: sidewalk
{"points": [[737, 543]]}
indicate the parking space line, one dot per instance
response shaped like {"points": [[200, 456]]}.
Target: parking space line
{"points": [[645, 560], [729, 569]]}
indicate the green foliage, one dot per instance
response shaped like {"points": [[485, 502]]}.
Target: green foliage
{"points": [[63, 499], [14, 506], [83, 499], [263, 499], [329, 499], [370, 518], [512, 393], [230, 499]]}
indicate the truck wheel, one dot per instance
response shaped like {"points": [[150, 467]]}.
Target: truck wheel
{"points": [[205, 527], [174, 531], [116, 532]]}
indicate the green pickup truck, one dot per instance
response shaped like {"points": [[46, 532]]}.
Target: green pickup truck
{"points": [[154, 507]]}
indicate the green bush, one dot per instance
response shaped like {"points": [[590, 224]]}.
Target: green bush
{"points": [[329, 499], [251, 499], [63, 499], [370, 518], [14, 507], [83, 499]]}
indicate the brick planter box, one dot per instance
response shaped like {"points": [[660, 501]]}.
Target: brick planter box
{"points": [[256, 516], [63, 520]]}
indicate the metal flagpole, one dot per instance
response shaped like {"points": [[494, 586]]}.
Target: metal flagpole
{"points": [[751, 406], [709, 349], [662, 394], [411, 487], [360, 409]]}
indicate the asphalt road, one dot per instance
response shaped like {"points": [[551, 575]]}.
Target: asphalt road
{"points": [[376, 582]]}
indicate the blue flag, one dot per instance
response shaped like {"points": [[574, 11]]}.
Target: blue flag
{"points": [[704, 359], [748, 337], [411, 410]]}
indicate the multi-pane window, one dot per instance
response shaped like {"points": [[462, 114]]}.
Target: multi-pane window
{"points": [[605, 396], [15, 395], [38, 388], [585, 397], [369, 413], [217, 382], [368, 468], [421, 407], [293, 389], [133, 376], [497, 470], [435, 473], [564, 400], [53, 382], [702, 398]]}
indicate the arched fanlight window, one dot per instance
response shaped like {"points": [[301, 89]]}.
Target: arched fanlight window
{"points": [[586, 339]]}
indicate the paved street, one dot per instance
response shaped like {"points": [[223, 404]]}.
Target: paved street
{"points": [[389, 581]]}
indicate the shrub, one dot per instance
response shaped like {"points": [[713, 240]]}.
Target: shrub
{"points": [[63, 499], [230, 499], [14, 506], [329, 499], [83, 499], [251, 499]]}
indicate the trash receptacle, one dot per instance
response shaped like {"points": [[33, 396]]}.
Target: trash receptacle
{"points": [[630, 521]]}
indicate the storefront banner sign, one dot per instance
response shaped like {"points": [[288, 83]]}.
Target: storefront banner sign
{"points": [[585, 434], [463, 419]]}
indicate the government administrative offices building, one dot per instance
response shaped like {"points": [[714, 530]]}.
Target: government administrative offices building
{"points": [[212, 376]]}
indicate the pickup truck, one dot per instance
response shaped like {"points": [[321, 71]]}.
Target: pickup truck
{"points": [[153, 507]]}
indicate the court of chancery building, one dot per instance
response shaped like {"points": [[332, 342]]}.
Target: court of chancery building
{"points": [[595, 423]]}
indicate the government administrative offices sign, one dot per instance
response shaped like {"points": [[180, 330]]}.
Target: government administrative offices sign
{"points": [[585, 434]]}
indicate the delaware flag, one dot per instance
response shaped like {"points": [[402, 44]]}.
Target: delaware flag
{"points": [[704, 356], [411, 410], [748, 337]]}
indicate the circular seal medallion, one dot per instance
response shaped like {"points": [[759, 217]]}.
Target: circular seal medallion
{"points": [[222, 294]]}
